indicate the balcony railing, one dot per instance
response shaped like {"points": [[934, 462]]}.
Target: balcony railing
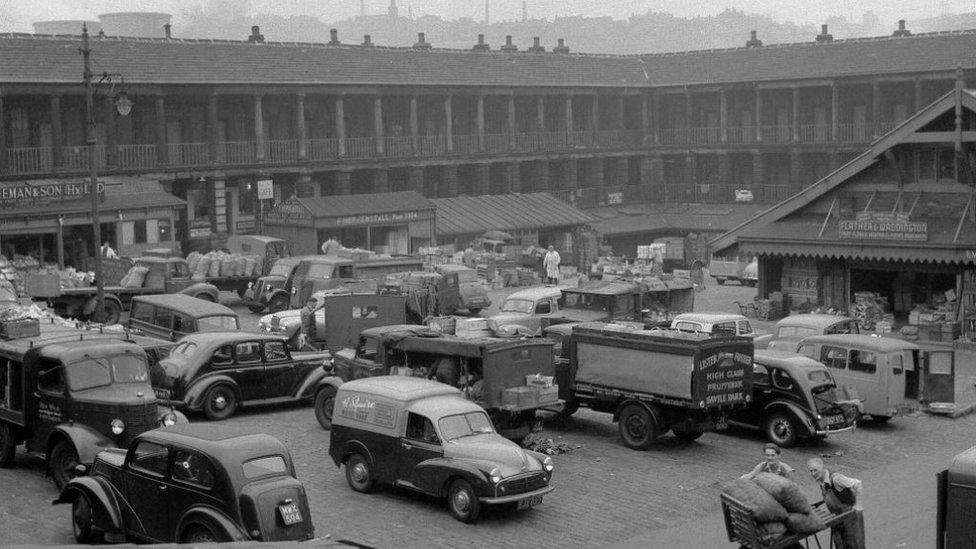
{"points": [[466, 144], [360, 147], [323, 149], [281, 151], [239, 152], [496, 142], [29, 159], [432, 145], [397, 147], [141, 157]]}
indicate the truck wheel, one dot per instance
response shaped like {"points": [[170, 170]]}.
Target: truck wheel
{"points": [[8, 446], [82, 523], [112, 312], [278, 303], [687, 434], [256, 309], [62, 462], [220, 402], [781, 429], [462, 501], [324, 404], [638, 427], [358, 474], [474, 310], [720, 281], [569, 408]]}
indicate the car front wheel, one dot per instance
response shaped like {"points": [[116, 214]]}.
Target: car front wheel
{"points": [[82, 523], [200, 534], [220, 403], [359, 475], [462, 501], [781, 429], [324, 404], [62, 463]]}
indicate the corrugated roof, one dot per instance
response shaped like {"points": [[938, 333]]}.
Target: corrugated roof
{"points": [[478, 214], [684, 217], [26, 58], [121, 192], [364, 204]]}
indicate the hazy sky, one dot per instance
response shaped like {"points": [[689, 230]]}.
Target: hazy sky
{"points": [[17, 15]]}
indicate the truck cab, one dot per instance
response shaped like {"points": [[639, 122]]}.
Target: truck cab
{"points": [[268, 248], [69, 393], [273, 290]]}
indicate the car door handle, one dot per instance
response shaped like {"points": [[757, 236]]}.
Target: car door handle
{"points": [[161, 487], [406, 445]]}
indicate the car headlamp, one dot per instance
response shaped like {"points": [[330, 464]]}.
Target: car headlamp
{"points": [[495, 475], [547, 464], [118, 426], [268, 288], [169, 418]]}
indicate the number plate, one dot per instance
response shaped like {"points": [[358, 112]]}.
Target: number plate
{"points": [[834, 420], [290, 513], [529, 502], [162, 393]]}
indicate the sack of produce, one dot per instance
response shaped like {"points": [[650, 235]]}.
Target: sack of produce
{"points": [[228, 266], [250, 265], [771, 531], [804, 523], [203, 267], [214, 270], [758, 501], [192, 260], [785, 491], [135, 278]]}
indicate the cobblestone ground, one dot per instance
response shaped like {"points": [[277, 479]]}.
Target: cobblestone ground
{"points": [[605, 493]]}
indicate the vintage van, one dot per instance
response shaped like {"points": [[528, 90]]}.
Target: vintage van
{"points": [[426, 436], [883, 372], [172, 316]]}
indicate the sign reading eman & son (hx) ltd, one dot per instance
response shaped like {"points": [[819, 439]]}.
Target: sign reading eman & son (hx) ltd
{"points": [[42, 193], [882, 226]]}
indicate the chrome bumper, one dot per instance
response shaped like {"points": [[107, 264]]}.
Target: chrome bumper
{"points": [[517, 497]]}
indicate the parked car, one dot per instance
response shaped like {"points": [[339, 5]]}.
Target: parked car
{"points": [[524, 310], [218, 371], [460, 289], [426, 436], [714, 323], [172, 316], [794, 397], [191, 484], [790, 330]]}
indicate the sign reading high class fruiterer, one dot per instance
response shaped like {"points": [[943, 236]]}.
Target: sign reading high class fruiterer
{"points": [[40, 193], [882, 226]]}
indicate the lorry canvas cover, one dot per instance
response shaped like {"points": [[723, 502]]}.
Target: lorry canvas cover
{"points": [[701, 370]]}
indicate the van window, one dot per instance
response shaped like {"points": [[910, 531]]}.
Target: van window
{"points": [[248, 351], [275, 351], [192, 468], [217, 323], [182, 323], [319, 270], [365, 311], [178, 269], [782, 379], [543, 308], [807, 350], [795, 331], [863, 361], [422, 429], [141, 311], [760, 375], [346, 271], [834, 357], [745, 327], [724, 328], [841, 328], [150, 457], [51, 379], [688, 326], [164, 318], [897, 366], [222, 356]]}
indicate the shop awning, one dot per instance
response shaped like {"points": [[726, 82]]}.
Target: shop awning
{"points": [[120, 193], [364, 204], [506, 212], [871, 252]]}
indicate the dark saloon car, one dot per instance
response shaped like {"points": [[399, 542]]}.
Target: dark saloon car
{"points": [[191, 484], [426, 436], [217, 371], [794, 397]]}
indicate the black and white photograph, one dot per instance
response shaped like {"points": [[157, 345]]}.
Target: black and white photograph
{"points": [[488, 273]]}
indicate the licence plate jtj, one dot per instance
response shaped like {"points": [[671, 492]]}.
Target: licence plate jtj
{"points": [[290, 513], [529, 502]]}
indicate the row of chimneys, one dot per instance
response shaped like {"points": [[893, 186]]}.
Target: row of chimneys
{"points": [[824, 36], [257, 38]]}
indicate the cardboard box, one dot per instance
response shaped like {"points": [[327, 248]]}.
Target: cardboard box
{"points": [[539, 380], [521, 397], [548, 394], [470, 324]]}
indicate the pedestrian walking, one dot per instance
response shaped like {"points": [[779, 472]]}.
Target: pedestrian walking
{"points": [[772, 464], [841, 493], [550, 263]]}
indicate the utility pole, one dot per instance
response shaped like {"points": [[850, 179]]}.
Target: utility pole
{"points": [[93, 179]]}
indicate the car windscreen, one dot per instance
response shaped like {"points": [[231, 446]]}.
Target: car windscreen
{"points": [[268, 465], [462, 425], [797, 332], [91, 372], [184, 349], [282, 268], [217, 323], [517, 306], [320, 270]]}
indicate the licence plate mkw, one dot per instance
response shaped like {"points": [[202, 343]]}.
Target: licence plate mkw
{"points": [[529, 502], [290, 514]]}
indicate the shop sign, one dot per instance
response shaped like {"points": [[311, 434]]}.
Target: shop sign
{"points": [[289, 213], [375, 219], [265, 189], [883, 226], [245, 224], [44, 193]]}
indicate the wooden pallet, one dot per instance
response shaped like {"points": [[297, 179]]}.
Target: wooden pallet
{"points": [[742, 528]]}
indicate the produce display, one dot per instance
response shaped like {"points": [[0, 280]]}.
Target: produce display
{"points": [[216, 264]]}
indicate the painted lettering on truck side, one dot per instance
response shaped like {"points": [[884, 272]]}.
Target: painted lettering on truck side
{"points": [[723, 375]]}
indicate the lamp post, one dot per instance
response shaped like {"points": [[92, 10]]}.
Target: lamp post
{"points": [[123, 105]]}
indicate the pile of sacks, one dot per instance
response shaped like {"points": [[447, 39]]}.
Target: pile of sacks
{"points": [[135, 278], [776, 504], [214, 264]]}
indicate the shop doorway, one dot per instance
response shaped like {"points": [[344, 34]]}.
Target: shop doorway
{"points": [[38, 248], [904, 290]]}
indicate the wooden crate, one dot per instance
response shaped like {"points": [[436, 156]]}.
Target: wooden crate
{"points": [[13, 329]]}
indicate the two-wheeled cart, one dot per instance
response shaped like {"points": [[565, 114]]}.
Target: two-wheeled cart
{"points": [[742, 528]]}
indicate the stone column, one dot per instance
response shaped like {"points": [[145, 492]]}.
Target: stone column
{"points": [[723, 115], [449, 174], [449, 123], [645, 121], [511, 122], [302, 126], [834, 112], [416, 180], [213, 130], [876, 108], [483, 179], [759, 104], [381, 180], [340, 122], [220, 204], [540, 114], [796, 114], [162, 148], [378, 125], [568, 108], [513, 174], [259, 129], [481, 123], [343, 184], [3, 136], [57, 141], [414, 125], [304, 188]]}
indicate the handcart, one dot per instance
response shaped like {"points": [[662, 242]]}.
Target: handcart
{"points": [[743, 528]]}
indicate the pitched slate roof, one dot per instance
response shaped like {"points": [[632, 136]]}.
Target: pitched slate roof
{"points": [[27, 58], [364, 204], [685, 217], [479, 214]]}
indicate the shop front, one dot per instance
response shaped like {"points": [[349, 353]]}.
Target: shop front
{"points": [[397, 223], [50, 220], [889, 238]]}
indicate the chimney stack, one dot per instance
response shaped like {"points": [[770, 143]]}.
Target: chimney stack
{"points": [[168, 30], [536, 48], [421, 43], [561, 46], [334, 37], [902, 31], [753, 42], [256, 36], [367, 41], [481, 46], [824, 37], [509, 46]]}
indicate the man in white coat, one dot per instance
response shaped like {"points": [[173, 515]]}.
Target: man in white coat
{"points": [[551, 265]]}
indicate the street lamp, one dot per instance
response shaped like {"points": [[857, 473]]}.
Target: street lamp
{"points": [[124, 106]]}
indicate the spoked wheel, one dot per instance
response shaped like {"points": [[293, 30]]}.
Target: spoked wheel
{"points": [[781, 430], [111, 312], [358, 474], [220, 403], [462, 501], [200, 534], [324, 404], [82, 523], [62, 462], [638, 427]]}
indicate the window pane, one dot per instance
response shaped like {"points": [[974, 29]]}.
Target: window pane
{"points": [[249, 351], [264, 466], [150, 457], [139, 228]]}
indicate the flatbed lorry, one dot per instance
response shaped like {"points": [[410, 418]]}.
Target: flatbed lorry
{"points": [[653, 381]]}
